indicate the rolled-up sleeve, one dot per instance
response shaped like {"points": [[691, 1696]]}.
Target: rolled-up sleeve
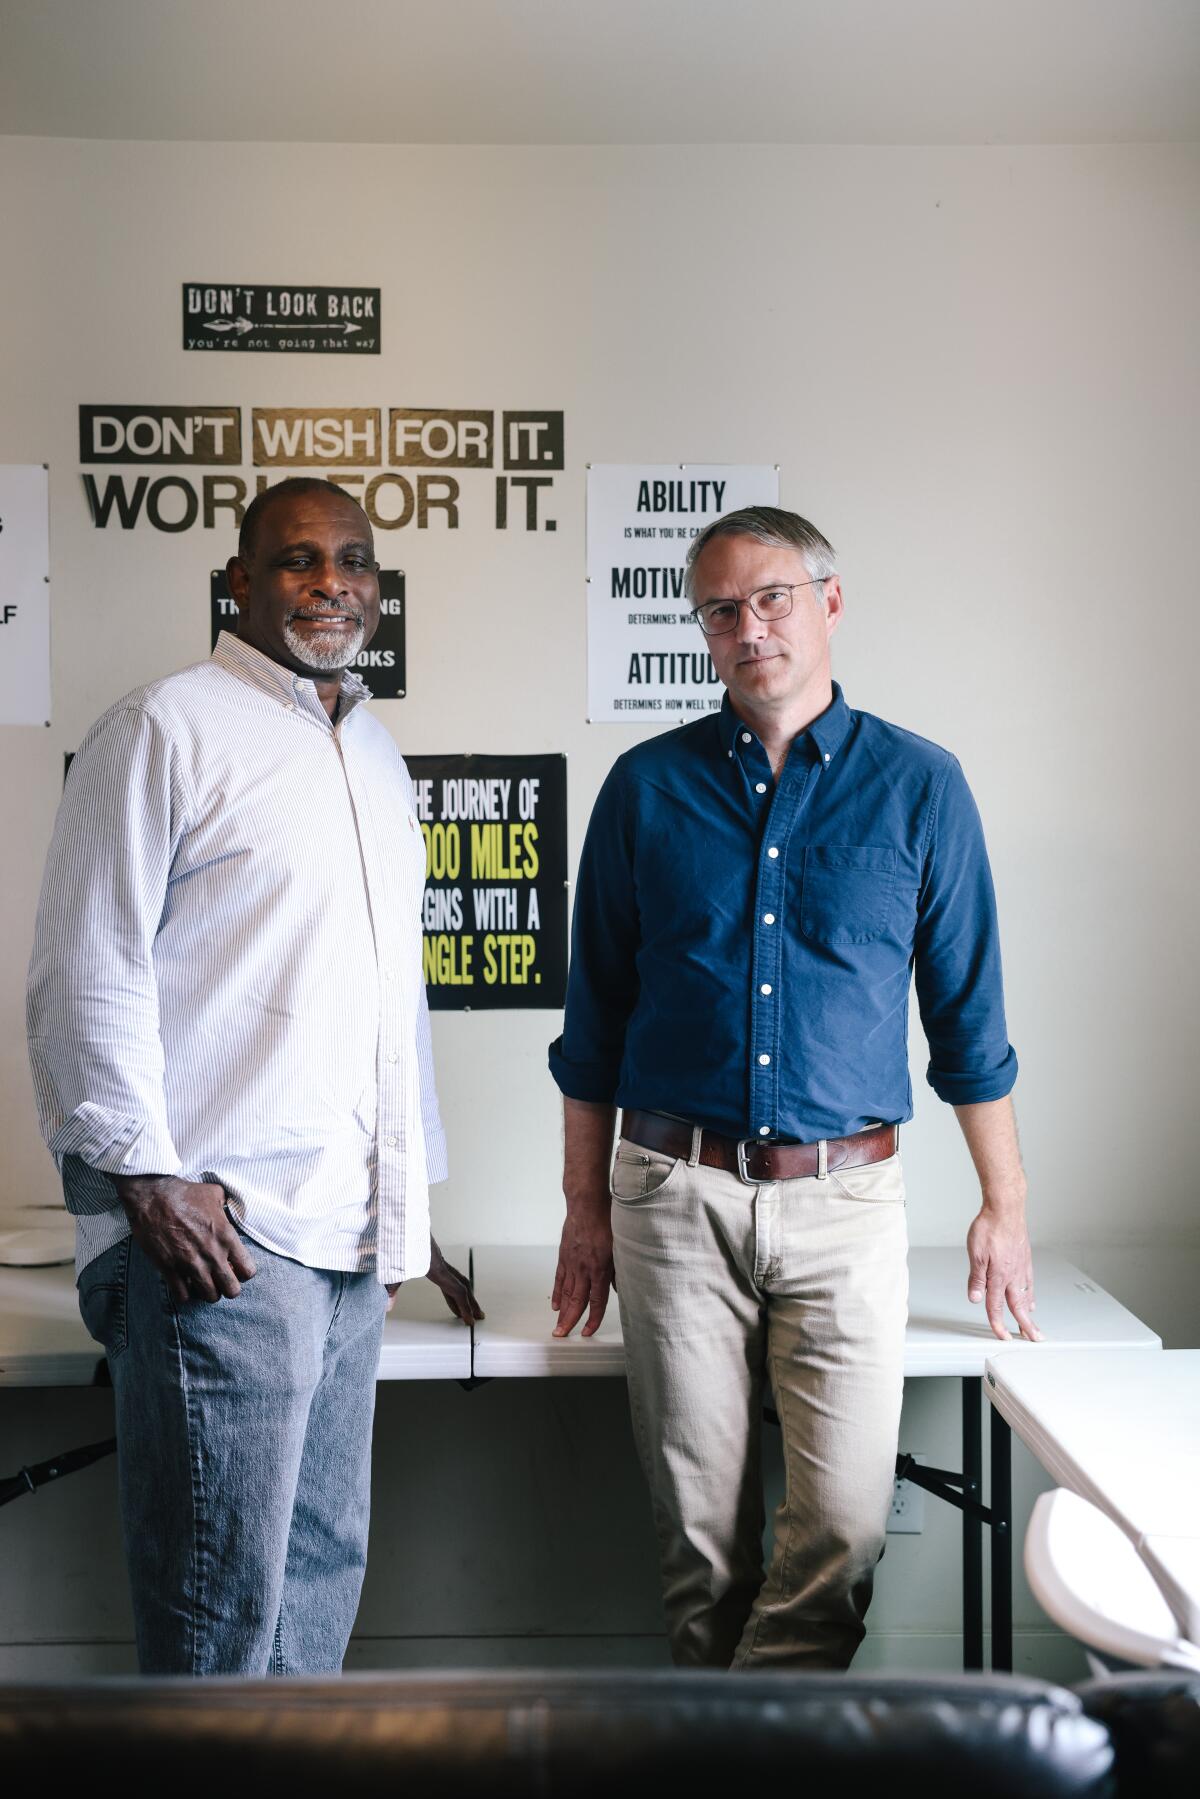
{"points": [[957, 954], [602, 983], [92, 1005]]}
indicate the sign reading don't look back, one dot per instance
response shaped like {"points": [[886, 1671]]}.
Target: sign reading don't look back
{"points": [[297, 317]]}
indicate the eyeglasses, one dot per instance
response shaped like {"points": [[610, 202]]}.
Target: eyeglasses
{"points": [[716, 617]]}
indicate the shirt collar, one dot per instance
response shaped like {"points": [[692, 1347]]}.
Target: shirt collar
{"points": [[828, 732], [248, 664]]}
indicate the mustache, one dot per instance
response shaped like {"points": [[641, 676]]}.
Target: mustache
{"points": [[311, 612]]}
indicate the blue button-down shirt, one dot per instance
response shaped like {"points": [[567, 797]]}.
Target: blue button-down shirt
{"points": [[742, 947]]}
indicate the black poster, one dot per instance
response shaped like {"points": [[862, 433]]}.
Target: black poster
{"points": [[381, 664], [319, 321], [495, 908]]}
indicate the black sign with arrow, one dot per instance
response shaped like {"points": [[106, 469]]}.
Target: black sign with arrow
{"points": [[309, 320]]}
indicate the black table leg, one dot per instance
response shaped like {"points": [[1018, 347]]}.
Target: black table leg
{"points": [[1001, 1509], [972, 1557]]}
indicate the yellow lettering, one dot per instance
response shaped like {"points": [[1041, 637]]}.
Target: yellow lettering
{"points": [[443, 851], [446, 960], [495, 857], [507, 958], [482, 852]]}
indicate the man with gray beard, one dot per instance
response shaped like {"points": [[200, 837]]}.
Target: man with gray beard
{"points": [[231, 1053]]}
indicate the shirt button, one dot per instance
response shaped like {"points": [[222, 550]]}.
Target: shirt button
{"points": [[826, 755], [392, 1056], [746, 737], [765, 1060], [391, 1142], [764, 1130], [765, 988], [768, 918], [772, 852], [760, 787]]}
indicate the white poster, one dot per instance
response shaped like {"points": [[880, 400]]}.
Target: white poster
{"points": [[24, 595], [647, 658]]}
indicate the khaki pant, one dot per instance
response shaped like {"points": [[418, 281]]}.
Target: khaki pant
{"points": [[722, 1286]]}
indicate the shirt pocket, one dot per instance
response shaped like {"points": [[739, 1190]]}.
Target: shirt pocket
{"points": [[847, 892]]}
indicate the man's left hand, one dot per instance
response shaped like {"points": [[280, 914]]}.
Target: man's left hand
{"points": [[1002, 1271], [454, 1287]]}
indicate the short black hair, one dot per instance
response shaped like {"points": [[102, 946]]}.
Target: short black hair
{"points": [[285, 490]]}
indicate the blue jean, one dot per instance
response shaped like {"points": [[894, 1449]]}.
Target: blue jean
{"points": [[244, 1460]]}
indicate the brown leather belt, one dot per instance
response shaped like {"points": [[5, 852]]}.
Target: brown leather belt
{"points": [[753, 1160]]}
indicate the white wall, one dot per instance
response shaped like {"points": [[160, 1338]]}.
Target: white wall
{"points": [[977, 369]]}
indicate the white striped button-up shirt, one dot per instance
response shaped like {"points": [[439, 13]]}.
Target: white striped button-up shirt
{"points": [[226, 979]]}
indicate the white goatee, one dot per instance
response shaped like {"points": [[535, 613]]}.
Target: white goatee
{"points": [[327, 651]]}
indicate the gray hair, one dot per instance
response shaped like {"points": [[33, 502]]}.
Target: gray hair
{"points": [[769, 525]]}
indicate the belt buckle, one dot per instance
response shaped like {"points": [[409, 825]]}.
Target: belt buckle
{"points": [[744, 1174]]}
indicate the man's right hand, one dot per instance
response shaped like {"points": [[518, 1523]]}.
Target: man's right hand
{"points": [[584, 1277], [183, 1227]]}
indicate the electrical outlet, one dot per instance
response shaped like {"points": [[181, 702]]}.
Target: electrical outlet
{"points": [[907, 1512]]}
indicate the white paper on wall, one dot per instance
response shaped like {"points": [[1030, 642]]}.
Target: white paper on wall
{"points": [[24, 594], [647, 660]]}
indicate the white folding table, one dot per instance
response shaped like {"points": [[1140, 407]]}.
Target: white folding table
{"points": [[43, 1340], [44, 1343], [946, 1335], [1123, 1431], [422, 1340]]}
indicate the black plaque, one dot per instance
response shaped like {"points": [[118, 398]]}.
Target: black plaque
{"points": [[296, 318], [495, 905]]}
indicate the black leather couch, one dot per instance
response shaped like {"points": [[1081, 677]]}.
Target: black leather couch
{"points": [[1153, 1722], [584, 1734]]}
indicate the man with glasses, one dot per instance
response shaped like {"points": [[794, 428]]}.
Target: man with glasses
{"points": [[754, 893]]}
